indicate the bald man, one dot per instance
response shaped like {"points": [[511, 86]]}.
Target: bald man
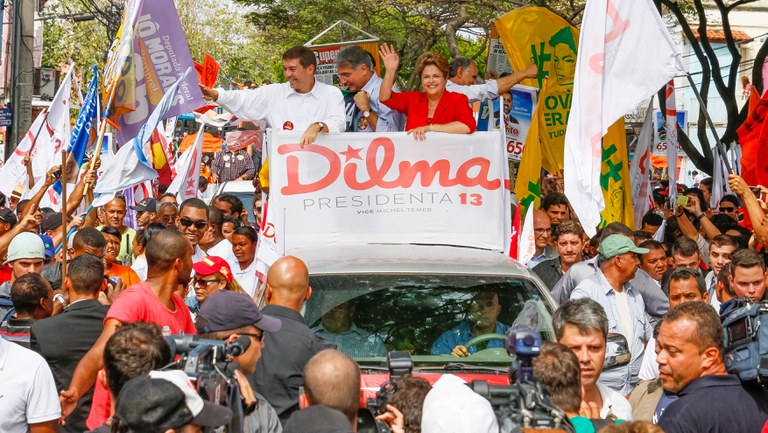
{"points": [[278, 374], [169, 261], [542, 232], [332, 379]]}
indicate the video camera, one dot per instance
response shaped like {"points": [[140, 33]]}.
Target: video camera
{"points": [[523, 404], [209, 364], [746, 341]]}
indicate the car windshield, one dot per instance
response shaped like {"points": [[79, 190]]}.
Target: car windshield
{"points": [[426, 315]]}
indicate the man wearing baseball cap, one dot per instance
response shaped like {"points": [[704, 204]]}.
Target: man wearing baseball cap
{"points": [[146, 212], [228, 315], [164, 400], [26, 255], [618, 262]]}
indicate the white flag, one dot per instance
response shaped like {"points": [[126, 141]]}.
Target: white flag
{"points": [[129, 166], [625, 56], [186, 183], [640, 169], [526, 244], [44, 140], [670, 127]]}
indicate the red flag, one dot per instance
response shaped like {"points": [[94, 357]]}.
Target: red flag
{"points": [[515, 233], [210, 71], [753, 137]]}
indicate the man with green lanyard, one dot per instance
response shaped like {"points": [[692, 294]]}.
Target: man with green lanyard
{"points": [[114, 214]]}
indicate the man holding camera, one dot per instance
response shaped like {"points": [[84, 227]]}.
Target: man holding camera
{"points": [[227, 315]]}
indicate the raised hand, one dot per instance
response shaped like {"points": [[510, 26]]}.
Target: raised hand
{"points": [[389, 57]]}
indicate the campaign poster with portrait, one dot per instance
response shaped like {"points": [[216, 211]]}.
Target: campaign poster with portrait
{"points": [[516, 108]]}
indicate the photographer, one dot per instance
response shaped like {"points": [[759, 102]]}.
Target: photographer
{"points": [[226, 315], [134, 349], [557, 369], [405, 404], [164, 401]]}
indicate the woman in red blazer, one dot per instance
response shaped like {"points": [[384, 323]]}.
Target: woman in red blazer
{"points": [[434, 109]]}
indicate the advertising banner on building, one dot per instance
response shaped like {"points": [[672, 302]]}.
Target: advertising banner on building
{"points": [[660, 138], [358, 188], [326, 56]]}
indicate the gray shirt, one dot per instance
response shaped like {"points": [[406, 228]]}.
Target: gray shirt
{"points": [[264, 419]]}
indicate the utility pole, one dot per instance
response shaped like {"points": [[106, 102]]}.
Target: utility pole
{"points": [[22, 71]]}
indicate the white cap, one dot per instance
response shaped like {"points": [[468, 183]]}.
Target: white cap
{"points": [[452, 407], [26, 245]]}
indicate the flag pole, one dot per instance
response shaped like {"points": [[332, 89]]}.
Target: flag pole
{"points": [[63, 180], [102, 131], [703, 108]]}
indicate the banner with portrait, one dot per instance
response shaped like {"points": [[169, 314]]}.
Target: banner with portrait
{"points": [[516, 108]]}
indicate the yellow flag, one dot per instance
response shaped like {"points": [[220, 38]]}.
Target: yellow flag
{"points": [[535, 34], [614, 178], [528, 183]]}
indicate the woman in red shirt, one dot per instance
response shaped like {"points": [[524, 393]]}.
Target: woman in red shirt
{"points": [[434, 109]]}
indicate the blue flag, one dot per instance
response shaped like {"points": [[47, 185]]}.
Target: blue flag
{"points": [[85, 130]]}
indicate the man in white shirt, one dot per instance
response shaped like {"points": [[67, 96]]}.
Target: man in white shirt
{"points": [[213, 241], [462, 78], [192, 222], [623, 305], [355, 66], [29, 401], [302, 103], [582, 326], [685, 285]]}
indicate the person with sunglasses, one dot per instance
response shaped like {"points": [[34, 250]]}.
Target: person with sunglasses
{"points": [[228, 315], [192, 222], [212, 275]]}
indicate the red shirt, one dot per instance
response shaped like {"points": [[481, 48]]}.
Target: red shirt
{"points": [[451, 107], [139, 303]]}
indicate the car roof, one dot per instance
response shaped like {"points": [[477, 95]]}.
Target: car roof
{"points": [[421, 259]]}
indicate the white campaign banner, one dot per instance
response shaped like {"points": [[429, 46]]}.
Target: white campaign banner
{"points": [[362, 188]]}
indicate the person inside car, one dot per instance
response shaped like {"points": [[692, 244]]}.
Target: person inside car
{"points": [[481, 319], [337, 326]]}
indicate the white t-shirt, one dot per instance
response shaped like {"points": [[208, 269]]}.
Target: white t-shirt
{"points": [[649, 369], [223, 249], [247, 278], [614, 403], [28, 393], [140, 267], [625, 316]]}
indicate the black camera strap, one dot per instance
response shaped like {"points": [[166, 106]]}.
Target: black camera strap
{"points": [[234, 402]]}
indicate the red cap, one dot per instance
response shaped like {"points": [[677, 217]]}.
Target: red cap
{"points": [[212, 265]]}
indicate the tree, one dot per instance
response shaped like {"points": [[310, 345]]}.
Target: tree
{"points": [[452, 27], [713, 73], [217, 28]]}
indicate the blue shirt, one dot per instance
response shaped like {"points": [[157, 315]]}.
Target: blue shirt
{"points": [[460, 335], [356, 342], [714, 404], [597, 288]]}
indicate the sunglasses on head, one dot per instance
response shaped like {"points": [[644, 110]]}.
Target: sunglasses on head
{"points": [[199, 224]]}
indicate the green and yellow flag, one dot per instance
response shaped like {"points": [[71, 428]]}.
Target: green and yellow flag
{"points": [[614, 178], [535, 34]]}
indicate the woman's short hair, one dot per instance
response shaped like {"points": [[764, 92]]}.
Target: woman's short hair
{"points": [[432, 58]]}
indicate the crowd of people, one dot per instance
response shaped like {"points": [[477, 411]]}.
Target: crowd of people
{"points": [[82, 344]]}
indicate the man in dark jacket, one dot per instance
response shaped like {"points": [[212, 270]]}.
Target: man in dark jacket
{"points": [[279, 373], [64, 339], [569, 241]]}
